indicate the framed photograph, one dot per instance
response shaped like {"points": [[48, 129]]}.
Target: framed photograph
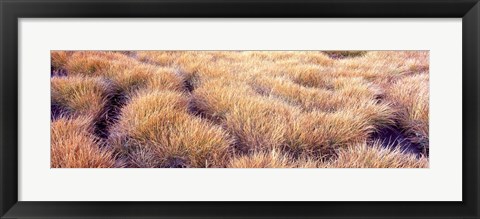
{"points": [[255, 109]]}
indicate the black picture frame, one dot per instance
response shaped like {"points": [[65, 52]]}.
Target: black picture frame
{"points": [[12, 10]]}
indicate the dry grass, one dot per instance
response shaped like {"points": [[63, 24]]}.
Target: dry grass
{"points": [[273, 159], [139, 76], [73, 146], [247, 109], [80, 96], [259, 124], [376, 156], [60, 59], [320, 132], [90, 63], [126, 74], [411, 95], [360, 155], [216, 98], [155, 130]]}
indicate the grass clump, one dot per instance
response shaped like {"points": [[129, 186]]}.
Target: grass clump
{"points": [[319, 132], [90, 63], [73, 146], [59, 59], [139, 76], [411, 96], [273, 159], [259, 124], [163, 58], [80, 96], [376, 156], [155, 130], [216, 98]]}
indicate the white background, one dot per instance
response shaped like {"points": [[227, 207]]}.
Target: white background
{"points": [[442, 181]]}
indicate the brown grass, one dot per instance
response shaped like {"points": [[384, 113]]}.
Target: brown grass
{"points": [[80, 96], [259, 123], [89, 63], [411, 96], [59, 59], [216, 98], [248, 109], [272, 159], [73, 146], [126, 74], [319, 131], [138, 76], [359, 155], [155, 130], [376, 156]]}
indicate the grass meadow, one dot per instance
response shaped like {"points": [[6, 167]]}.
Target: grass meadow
{"points": [[239, 109]]}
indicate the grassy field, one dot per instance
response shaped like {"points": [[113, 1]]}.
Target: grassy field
{"points": [[240, 109]]}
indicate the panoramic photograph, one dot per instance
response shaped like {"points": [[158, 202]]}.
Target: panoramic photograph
{"points": [[239, 109]]}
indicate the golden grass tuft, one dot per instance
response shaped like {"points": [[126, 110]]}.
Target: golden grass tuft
{"points": [[145, 104], [126, 74], [411, 96], [363, 155], [166, 79], [164, 58], [72, 146], [216, 98], [337, 96], [59, 59], [360, 155], [142, 76], [155, 130], [258, 123], [273, 159], [319, 132], [89, 63], [80, 96], [306, 98]]}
